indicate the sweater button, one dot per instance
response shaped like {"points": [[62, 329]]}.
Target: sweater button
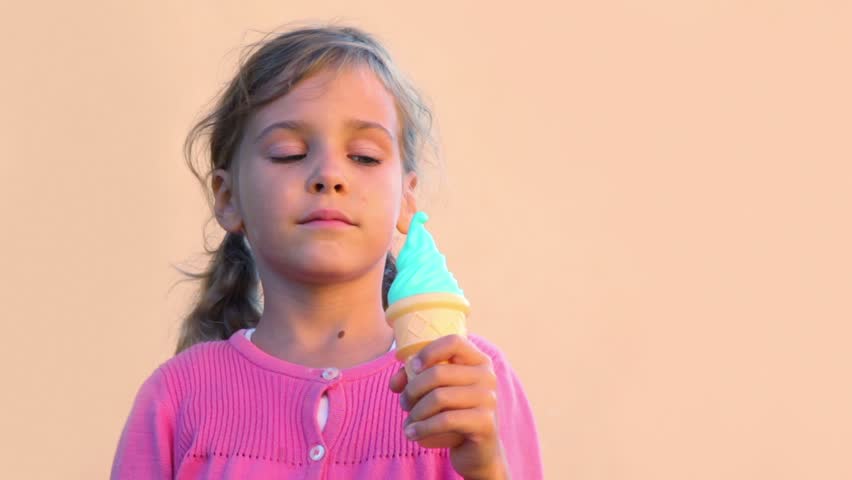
{"points": [[330, 373], [317, 452]]}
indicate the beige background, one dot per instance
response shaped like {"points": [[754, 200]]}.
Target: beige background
{"points": [[647, 203]]}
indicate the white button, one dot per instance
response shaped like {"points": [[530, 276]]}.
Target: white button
{"points": [[317, 452], [330, 373]]}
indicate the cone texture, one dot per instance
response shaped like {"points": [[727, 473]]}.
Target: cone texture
{"points": [[420, 319]]}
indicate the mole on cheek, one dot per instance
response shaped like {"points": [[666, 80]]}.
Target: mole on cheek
{"points": [[341, 334]]}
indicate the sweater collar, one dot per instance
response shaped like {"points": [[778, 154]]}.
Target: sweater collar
{"points": [[259, 357]]}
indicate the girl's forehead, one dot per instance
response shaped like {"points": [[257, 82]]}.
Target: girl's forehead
{"points": [[332, 95], [344, 100]]}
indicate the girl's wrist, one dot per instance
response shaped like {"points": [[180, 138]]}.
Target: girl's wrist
{"points": [[499, 471]]}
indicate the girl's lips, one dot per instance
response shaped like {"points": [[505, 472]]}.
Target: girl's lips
{"points": [[327, 224], [327, 214]]}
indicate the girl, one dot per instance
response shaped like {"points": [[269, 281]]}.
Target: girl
{"points": [[313, 158]]}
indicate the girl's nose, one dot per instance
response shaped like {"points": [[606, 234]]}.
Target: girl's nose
{"points": [[327, 178], [326, 186]]}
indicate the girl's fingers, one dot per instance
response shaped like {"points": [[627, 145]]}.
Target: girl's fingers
{"points": [[398, 381], [446, 375], [470, 422], [452, 348], [446, 398]]}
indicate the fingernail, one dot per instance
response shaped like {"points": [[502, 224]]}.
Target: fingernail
{"points": [[416, 364], [409, 431]]}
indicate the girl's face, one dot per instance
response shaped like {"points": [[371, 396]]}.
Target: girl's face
{"points": [[331, 143]]}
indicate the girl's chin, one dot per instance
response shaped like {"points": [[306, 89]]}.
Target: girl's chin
{"points": [[323, 263], [319, 270]]}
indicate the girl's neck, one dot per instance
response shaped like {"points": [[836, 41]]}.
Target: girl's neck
{"points": [[339, 325]]}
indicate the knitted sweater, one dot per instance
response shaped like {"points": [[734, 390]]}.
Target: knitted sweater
{"points": [[322, 409], [228, 410]]}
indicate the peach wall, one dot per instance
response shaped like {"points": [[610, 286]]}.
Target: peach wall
{"points": [[664, 256]]}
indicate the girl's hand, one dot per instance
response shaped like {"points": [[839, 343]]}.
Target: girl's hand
{"points": [[458, 397]]}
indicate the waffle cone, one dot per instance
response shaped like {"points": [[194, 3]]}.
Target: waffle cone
{"points": [[420, 319]]}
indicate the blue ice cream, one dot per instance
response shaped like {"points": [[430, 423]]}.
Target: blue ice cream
{"points": [[421, 268]]}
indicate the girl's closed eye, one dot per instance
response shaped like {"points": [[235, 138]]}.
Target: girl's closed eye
{"points": [[366, 160], [288, 158], [359, 158]]}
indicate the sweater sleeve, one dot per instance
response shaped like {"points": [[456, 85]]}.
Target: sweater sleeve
{"points": [[146, 444], [516, 424]]}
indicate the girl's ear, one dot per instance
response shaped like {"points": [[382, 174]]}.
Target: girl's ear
{"points": [[225, 206], [409, 204]]}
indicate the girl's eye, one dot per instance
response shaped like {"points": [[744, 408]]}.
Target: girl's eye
{"points": [[359, 158], [289, 158], [366, 160]]}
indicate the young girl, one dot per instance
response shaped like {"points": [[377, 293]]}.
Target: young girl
{"points": [[313, 159]]}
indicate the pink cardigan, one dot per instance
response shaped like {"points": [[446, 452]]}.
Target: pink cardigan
{"points": [[228, 410]]}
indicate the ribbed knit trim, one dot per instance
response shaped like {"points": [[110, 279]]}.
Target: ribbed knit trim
{"points": [[257, 356]]}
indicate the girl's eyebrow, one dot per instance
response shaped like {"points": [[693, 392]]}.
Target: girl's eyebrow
{"points": [[300, 126]]}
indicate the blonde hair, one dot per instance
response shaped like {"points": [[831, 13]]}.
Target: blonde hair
{"points": [[230, 297]]}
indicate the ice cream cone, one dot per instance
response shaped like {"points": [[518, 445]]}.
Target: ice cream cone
{"points": [[420, 319], [425, 303]]}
